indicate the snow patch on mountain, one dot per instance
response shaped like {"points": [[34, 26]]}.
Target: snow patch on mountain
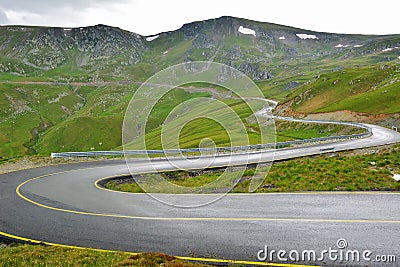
{"points": [[341, 45], [247, 31], [306, 36], [151, 38]]}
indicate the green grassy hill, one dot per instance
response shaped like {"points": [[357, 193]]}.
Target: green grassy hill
{"points": [[370, 89]]}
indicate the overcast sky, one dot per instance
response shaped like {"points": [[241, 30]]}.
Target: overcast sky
{"points": [[148, 17]]}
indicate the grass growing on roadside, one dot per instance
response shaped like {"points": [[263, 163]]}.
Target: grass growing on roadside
{"points": [[330, 174], [288, 131], [344, 172], [29, 255], [126, 186]]}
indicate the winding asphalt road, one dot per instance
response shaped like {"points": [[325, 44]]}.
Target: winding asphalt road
{"points": [[61, 205]]}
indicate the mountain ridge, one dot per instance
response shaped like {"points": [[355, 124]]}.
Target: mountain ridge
{"points": [[47, 48]]}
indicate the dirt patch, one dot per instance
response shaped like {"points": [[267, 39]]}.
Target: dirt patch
{"points": [[30, 162], [387, 120], [371, 150]]}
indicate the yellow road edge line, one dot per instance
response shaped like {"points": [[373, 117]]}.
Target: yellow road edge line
{"points": [[55, 244], [24, 239], [17, 190]]}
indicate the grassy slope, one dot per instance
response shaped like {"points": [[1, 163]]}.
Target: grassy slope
{"points": [[27, 110], [102, 118], [367, 89], [96, 125], [45, 118], [288, 131], [28, 255], [196, 130], [83, 134], [373, 90]]}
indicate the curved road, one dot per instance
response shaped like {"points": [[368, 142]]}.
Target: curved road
{"points": [[62, 205]]}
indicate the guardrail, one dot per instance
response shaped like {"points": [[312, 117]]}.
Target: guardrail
{"points": [[223, 150]]}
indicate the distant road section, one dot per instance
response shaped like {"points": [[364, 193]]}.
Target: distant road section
{"points": [[378, 136]]}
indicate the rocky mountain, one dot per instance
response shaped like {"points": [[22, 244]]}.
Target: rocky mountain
{"points": [[261, 50], [49, 48]]}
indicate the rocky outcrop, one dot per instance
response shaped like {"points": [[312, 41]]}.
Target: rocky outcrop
{"points": [[47, 48]]}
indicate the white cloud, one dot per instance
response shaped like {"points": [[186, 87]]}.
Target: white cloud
{"points": [[21, 17], [3, 17]]}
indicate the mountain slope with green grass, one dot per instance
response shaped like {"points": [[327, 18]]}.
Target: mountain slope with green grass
{"points": [[368, 89], [65, 89]]}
